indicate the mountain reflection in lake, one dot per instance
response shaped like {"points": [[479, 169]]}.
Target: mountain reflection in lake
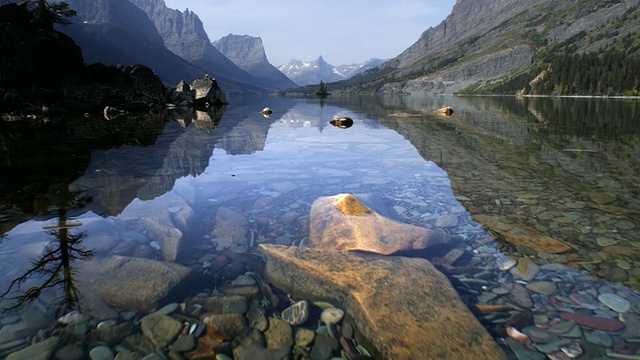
{"points": [[541, 194]]}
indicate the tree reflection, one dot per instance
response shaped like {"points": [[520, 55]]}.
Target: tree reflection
{"points": [[53, 270]]}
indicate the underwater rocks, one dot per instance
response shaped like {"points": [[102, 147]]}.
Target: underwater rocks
{"points": [[403, 306], [132, 283]]}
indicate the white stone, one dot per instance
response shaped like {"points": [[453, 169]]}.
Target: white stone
{"points": [[614, 302], [331, 316]]}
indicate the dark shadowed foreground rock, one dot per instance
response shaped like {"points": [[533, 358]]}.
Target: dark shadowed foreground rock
{"points": [[132, 283], [403, 306], [342, 222]]}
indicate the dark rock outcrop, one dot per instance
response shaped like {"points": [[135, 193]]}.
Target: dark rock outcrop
{"points": [[130, 88], [248, 53]]}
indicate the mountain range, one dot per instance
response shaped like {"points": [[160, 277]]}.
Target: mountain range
{"points": [[312, 72], [483, 46], [512, 45]]}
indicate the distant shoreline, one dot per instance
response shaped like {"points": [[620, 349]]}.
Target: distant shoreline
{"points": [[556, 96]]}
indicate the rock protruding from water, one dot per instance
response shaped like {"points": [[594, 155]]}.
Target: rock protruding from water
{"points": [[342, 222], [207, 92], [403, 306], [203, 93], [132, 283]]}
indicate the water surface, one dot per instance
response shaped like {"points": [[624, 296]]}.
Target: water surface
{"points": [[560, 174]]}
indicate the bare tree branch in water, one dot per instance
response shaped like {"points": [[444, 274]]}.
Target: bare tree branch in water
{"points": [[55, 267]]}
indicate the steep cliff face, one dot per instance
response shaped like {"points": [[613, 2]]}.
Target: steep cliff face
{"points": [[248, 53], [120, 13], [483, 41], [183, 34], [116, 32]]}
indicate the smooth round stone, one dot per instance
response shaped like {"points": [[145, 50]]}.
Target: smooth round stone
{"points": [[331, 316], [598, 337], [184, 343], [175, 209], [505, 263], [520, 296], [543, 287], [603, 242], [222, 357], [243, 280], [562, 327], [614, 302], [74, 351], [501, 291], [540, 319], [486, 297], [552, 346], [323, 305], [304, 337], [297, 313], [538, 335], [347, 331], [101, 353]]}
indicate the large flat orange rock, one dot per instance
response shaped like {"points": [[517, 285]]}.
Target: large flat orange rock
{"points": [[403, 306], [342, 222]]}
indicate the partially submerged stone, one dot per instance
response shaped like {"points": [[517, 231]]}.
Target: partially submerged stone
{"points": [[132, 283], [207, 93], [342, 222], [402, 306], [447, 111]]}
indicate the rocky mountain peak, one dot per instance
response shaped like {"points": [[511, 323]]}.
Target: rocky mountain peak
{"points": [[248, 53], [243, 50]]}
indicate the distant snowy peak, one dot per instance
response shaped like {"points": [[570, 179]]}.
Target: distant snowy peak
{"points": [[347, 71], [312, 72]]}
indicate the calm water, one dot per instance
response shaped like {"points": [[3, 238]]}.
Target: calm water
{"points": [[549, 184]]}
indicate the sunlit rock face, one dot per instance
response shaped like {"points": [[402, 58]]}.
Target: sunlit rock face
{"points": [[342, 222], [403, 306]]}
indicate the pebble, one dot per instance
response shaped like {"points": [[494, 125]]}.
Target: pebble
{"points": [[520, 296], [526, 269], [599, 338], [614, 302], [243, 280], [542, 287], [553, 346], [562, 327], [331, 316], [101, 353], [175, 209], [538, 335], [297, 313], [572, 350], [304, 337], [184, 343], [505, 263], [594, 322]]}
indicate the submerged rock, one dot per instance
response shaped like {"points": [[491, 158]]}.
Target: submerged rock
{"points": [[132, 283], [403, 306], [342, 222]]}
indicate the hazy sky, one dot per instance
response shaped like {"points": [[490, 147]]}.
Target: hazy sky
{"points": [[342, 31]]}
